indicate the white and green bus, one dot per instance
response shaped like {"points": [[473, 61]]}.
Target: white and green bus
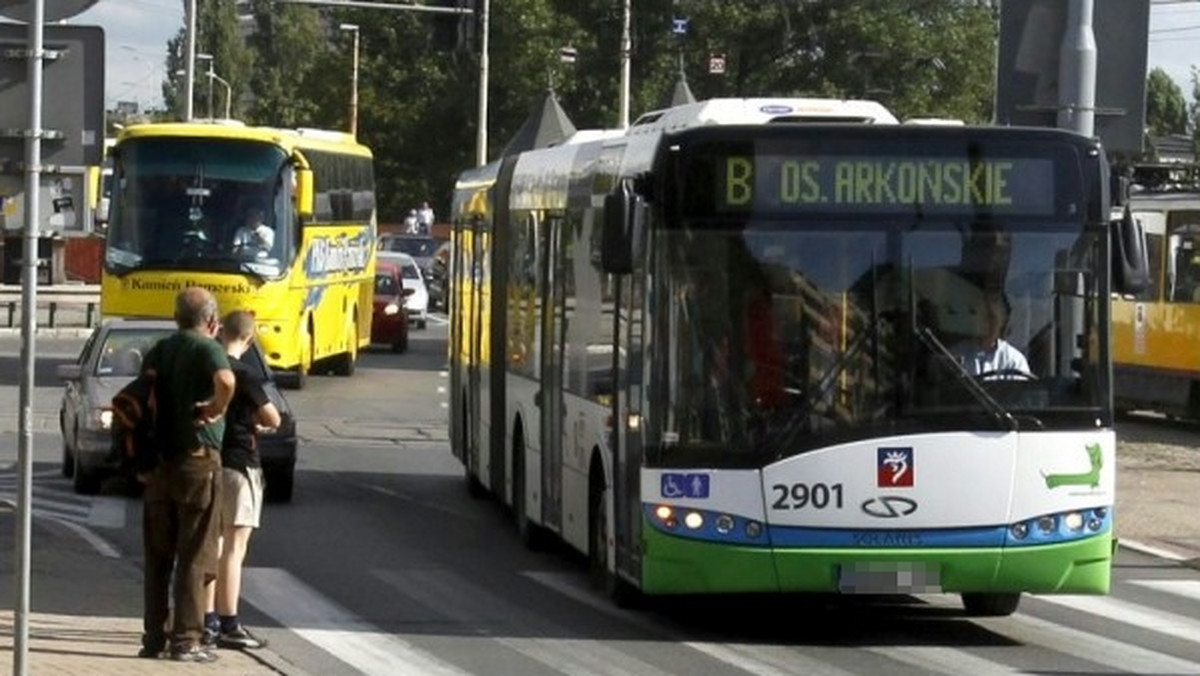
{"points": [[744, 346]]}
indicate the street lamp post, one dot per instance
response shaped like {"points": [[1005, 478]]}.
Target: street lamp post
{"points": [[353, 28], [228, 90], [209, 59]]}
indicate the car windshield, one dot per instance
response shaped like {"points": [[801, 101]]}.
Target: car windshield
{"points": [[417, 247], [410, 272], [122, 352]]}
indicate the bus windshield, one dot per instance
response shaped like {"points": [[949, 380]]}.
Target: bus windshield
{"points": [[786, 336], [211, 205]]}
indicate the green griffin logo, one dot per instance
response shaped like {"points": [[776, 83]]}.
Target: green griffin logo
{"points": [[1090, 478]]}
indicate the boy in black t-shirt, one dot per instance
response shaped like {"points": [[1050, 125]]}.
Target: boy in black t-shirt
{"points": [[250, 412]]}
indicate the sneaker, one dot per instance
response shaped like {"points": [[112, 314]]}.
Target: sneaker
{"points": [[209, 638], [240, 639], [193, 654]]}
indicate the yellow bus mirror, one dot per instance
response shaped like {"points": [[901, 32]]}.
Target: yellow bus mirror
{"points": [[304, 193]]}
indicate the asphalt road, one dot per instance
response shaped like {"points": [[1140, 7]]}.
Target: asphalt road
{"points": [[383, 565]]}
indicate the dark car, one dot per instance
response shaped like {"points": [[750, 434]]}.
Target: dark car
{"points": [[389, 325], [421, 247], [110, 359]]}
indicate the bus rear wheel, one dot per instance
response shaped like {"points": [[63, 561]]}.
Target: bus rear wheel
{"points": [[347, 361], [989, 604]]}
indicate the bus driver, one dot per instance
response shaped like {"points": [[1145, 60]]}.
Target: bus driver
{"points": [[255, 236], [990, 353]]}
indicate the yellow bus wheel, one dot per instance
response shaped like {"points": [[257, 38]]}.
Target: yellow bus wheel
{"points": [[347, 360]]}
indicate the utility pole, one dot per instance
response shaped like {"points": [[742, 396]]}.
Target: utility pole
{"points": [[1077, 70], [481, 135], [189, 68], [29, 280], [353, 28], [626, 48]]}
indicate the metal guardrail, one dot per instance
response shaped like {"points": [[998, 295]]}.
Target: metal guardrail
{"points": [[55, 298]]}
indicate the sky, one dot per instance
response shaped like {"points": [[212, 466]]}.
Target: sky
{"points": [[136, 34]]}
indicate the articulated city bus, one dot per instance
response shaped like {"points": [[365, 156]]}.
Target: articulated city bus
{"points": [[738, 350], [1156, 358], [278, 222]]}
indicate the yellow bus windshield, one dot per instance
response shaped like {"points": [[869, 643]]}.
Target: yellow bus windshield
{"points": [[212, 205]]}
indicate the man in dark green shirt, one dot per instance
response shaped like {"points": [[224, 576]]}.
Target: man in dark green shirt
{"points": [[181, 515]]}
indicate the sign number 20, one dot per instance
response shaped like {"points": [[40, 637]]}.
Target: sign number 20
{"points": [[802, 495]]}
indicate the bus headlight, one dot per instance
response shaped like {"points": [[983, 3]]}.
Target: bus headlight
{"points": [[753, 529], [1019, 530], [1047, 524], [724, 524], [1073, 522], [693, 520], [666, 515]]}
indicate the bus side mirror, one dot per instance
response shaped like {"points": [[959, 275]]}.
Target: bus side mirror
{"points": [[304, 192], [1118, 190], [622, 228], [1130, 261]]}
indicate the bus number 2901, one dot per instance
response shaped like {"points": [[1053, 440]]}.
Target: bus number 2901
{"points": [[807, 496]]}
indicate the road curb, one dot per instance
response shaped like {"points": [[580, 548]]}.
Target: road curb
{"points": [[273, 661]]}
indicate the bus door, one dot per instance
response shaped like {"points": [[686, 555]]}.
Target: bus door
{"points": [[553, 330], [628, 454], [474, 372]]}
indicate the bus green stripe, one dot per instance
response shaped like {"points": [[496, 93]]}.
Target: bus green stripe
{"points": [[674, 565]]}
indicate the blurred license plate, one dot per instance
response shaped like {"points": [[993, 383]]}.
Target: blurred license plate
{"points": [[889, 577]]}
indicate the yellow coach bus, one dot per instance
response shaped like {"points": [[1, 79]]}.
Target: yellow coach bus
{"points": [[278, 222]]}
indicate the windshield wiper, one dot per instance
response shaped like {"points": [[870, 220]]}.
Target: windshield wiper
{"points": [[994, 407], [824, 385]]}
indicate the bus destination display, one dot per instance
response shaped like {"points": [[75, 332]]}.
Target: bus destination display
{"points": [[1023, 186]]}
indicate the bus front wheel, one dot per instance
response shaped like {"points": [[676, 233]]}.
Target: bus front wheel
{"points": [[979, 604], [624, 594]]}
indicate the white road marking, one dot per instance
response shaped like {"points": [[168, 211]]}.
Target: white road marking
{"points": [[1132, 614], [316, 619], [945, 660], [1185, 588], [460, 600]]}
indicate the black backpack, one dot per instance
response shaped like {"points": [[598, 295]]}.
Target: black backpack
{"points": [[134, 424]]}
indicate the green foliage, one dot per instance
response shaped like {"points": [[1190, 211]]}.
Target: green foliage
{"points": [[1195, 110], [418, 100], [292, 84], [1166, 110]]}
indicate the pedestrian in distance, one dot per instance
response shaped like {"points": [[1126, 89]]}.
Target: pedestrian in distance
{"points": [[250, 412], [193, 387]]}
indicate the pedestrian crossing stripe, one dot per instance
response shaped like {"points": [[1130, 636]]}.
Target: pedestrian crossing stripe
{"points": [[1131, 614], [1189, 589], [335, 630], [437, 595]]}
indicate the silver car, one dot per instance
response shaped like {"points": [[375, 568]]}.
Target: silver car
{"points": [[109, 360]]}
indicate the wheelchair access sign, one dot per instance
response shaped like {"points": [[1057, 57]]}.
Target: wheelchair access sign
{"points": [[684, 485]]}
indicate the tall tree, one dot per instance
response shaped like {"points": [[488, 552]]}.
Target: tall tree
{"points": [[294, 83], [1195, 110], [219, 33], [1166, 109]]}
